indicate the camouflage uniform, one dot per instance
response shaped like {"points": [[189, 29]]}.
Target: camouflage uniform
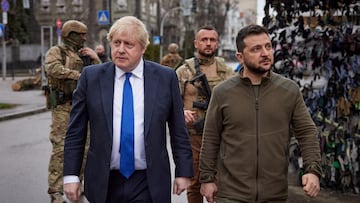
{"points": [[172, 59], [63, 66], [190, 94]]}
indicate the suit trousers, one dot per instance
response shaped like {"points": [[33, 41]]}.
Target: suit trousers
{"points": [[132, 190]]}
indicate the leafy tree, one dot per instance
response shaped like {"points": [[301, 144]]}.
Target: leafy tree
{"points": [[152, 52], [18, 22]]}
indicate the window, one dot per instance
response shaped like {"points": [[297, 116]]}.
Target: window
{"points": [[60, 6], [121, 5], [45, 6], [77, 6], [153, 7]]}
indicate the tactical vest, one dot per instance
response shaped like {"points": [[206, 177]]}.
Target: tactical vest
{"points": [[171, 60], [212, 82], [70, 60], [221, 75]]}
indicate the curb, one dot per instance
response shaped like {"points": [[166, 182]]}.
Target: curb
{"points": [[22, 114]]}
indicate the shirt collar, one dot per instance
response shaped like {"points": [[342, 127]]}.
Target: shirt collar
{"points": [[137, 72]]}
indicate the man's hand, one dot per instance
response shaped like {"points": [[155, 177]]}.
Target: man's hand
{"points": [[72, 191], [209, 190], [86, 51], [189, 116], [181, 184], [311, 184]]}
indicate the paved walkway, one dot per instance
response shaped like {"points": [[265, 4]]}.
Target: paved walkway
{"points": [[33, 101], [27, 102]]}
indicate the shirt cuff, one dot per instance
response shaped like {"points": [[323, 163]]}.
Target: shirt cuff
{"points": [[315, 169], [71, 179]]}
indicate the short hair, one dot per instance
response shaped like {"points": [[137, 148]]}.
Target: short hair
{"points": [[246, 31], [206, 27], [138, 30]]}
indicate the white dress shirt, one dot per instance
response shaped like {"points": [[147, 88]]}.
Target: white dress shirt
{"points": [[137, 84]]}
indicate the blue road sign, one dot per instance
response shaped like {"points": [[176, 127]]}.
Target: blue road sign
{"points": [[4, 5], [156, 40], [2, 30], [103, 17]]}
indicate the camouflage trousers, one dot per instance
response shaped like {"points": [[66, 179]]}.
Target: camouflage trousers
{"points": [[60, 120]]}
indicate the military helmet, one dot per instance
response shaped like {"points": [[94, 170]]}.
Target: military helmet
{"points": [[173, 48], [73, 26]]}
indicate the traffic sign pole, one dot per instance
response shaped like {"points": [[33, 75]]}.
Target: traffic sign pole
{"points": [[4, 8], [58, 30], [4, 55]]}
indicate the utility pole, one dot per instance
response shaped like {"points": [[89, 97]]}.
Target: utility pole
{"points": [[4, 8], [91, 18]]}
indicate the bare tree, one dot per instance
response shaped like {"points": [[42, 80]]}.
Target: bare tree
{"points": [[213, 12]]}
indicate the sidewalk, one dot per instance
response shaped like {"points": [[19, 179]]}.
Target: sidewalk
{"points": [[33, 101], [27, 102]]}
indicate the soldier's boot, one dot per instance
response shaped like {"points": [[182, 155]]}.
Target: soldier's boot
{"points": [[57, 198]]}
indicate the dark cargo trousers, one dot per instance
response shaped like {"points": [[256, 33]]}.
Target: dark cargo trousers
{"points": [[193, 191]]}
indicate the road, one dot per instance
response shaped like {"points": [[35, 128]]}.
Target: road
{"points": [[25, 151], [24, 155]]}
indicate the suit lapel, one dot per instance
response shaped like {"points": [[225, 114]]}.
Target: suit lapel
{"points": [[150, 91], [107, 93]]}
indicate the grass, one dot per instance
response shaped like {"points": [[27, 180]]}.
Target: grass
{"points": [[6, 106]]}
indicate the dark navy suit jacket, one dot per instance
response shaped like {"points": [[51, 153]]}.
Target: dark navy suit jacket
{"points": [[93, 102]]}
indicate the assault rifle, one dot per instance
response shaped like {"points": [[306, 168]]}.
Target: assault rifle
{"points": [[201, 83]]}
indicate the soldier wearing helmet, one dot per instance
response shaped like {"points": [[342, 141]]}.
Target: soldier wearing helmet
{"points": [[172, 59], [73, 26], [173, 48], [63, 66]]}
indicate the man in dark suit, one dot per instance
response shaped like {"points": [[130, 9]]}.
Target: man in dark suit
{"points": [[155, 102]]}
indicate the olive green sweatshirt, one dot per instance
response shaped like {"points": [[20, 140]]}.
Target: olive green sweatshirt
{"points": [[249, 132]]}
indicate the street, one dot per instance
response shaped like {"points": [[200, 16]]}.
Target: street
{"points": [[25, 151], [24, 155]]}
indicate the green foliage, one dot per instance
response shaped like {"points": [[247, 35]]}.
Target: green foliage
{"points": [[18, 22], [152, 52], [6, 106]]}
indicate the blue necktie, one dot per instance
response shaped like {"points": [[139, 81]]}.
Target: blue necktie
{"points": [[127, 162]]}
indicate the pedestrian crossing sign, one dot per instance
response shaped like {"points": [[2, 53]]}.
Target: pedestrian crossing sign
{"points": [[103, 17]]}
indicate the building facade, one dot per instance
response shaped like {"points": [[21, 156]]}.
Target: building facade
{"points": [[97, 15], [239, 15]]}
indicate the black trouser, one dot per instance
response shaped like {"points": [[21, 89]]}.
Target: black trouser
{"points": [[132, 190]]}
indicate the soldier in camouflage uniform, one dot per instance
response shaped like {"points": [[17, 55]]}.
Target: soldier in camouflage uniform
{"points": [[172, 59], [197, 77], [63, 65], [29, 83]]}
